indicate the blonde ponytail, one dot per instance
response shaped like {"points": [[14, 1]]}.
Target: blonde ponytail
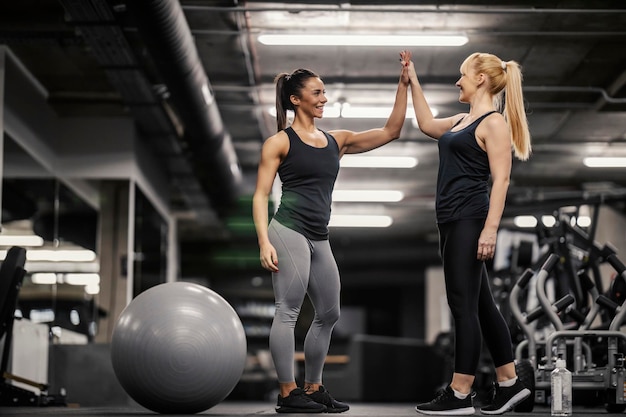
{"points": [[514, 112], [505, 84]]}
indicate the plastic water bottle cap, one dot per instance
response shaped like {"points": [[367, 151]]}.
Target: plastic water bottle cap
{"points": [[560, 363]]}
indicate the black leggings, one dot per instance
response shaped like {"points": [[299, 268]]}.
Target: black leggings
{"points": [[467, 286]]}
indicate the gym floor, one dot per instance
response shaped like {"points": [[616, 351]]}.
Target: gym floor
{"points": [[243, 409]]}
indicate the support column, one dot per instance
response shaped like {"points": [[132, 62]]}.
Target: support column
{"points": [[113, 245], [2, 78]]}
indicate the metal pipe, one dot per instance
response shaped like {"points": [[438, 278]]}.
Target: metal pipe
{"points": [[400, 9], [166, 33]]}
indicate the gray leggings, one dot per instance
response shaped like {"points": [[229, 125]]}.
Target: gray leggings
{"points": [[305, 267]]}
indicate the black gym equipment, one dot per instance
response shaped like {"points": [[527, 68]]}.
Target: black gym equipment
{"points": [[11, 277], [575, 337]]}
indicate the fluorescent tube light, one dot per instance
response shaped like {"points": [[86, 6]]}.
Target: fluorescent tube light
{"points": [[92, 289], [359, 221], [20, 240], [347, 111], [375, 112], [48, 278], [360, 161], [366, 112], [331, 111], [61, 255], [388, 196], [57, 255], [605, 162], [91, 280], [548, 220], [81, 279], [362, 40], [582, 221], [525, 221], [370, 112], [45, 315]]}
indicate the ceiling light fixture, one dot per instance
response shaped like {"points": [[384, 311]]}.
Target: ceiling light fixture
{"points": [[71, 278], [371, 112], [361, 161], [605, 162], [57, 255], [368, 196], [310, 39], [20, 240], [525, 221], [548, 220], [347, 111], [81, 279], [61, 255], [41, 278], [356, 220]]}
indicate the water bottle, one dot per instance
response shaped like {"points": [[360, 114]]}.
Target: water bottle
{"points": [[561, 385]]}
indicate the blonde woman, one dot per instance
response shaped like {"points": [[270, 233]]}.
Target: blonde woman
{"points": [[475, 156]]}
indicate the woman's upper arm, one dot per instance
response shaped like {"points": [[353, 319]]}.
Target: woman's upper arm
{"points": [[498, 146], [273, 151], [436, 127], [357, 142]]}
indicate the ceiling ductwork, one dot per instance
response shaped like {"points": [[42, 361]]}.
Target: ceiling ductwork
{"points": [[164, 30], [199, 158]]}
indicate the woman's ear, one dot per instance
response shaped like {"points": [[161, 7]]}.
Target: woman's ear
{"points": [[480, 78], [295, 100]]}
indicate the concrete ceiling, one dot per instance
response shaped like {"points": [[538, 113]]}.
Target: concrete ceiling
{"points": [[145, 59]]}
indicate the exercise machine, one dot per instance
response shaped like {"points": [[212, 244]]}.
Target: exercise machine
{"points": [[606, 379], [11, 277]]}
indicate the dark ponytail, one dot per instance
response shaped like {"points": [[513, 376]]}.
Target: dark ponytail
{"points": [[288, 85], [281, 105]]}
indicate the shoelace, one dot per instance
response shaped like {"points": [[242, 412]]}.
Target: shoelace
{"points": [[441, 396], [325, 397]]}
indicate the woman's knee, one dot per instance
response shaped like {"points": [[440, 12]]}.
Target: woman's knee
{"points": [[328, 317], [462, 308], [287, 315]]}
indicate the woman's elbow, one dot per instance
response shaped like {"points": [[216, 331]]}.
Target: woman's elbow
{"points": [[260, 198], [503, 183], [393, 133]]}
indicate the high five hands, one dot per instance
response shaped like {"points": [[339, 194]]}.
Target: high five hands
{"points": [[405, 61]]}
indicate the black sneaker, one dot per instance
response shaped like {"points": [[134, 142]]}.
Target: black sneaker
{"points": [[298, 402], [446, 403], [506, 398], [332, 405]]}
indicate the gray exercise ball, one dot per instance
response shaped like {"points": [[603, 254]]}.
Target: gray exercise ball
{"points": [[178, 348]]}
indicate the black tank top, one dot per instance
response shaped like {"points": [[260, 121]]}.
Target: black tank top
{"points": [[462, 182], [308, 177]]}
